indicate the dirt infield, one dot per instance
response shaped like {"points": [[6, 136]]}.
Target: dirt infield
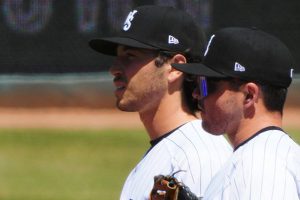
{"points": [[77, 118], [74, 118]]}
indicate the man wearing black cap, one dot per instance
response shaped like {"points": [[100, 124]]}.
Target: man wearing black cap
{"points": [[242, 87], [153, 37]]}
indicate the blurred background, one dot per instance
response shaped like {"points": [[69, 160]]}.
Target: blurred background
{"points": [[46, 60], [60, 135]]}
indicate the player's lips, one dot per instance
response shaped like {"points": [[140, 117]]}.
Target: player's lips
{"points": [[120, 84]]}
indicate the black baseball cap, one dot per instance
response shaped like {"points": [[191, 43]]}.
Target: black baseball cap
{"points": [[158, 28], [244, 53]]}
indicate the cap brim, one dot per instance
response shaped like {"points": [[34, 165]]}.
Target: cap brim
{"points": [[109, 45], [197, 69]]}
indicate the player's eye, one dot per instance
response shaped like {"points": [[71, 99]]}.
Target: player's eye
{"points": [[128, 58], [131, 56]]}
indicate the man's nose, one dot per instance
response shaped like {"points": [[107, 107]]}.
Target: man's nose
{"points": [[115, 68]]}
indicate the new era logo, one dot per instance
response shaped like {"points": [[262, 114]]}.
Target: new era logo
{"points": [[173, 40], [238, 67]]}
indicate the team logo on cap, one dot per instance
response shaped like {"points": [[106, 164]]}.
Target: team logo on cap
{"points": [[130, 17], [208, 45], [291, 72], [173, 40], [238, 67]]}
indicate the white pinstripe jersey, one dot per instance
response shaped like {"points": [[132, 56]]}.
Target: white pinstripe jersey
{"points": [[265, 167], [188, 148]]}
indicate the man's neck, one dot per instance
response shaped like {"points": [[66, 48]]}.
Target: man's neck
{"points": [[163, 119], [248, 127]]}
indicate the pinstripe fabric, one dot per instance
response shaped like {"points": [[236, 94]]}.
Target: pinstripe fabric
{"points": [[267, 167], [188, 148]]}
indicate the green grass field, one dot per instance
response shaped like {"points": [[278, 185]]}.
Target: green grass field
{"points": [[62, 165], [39, 164]]}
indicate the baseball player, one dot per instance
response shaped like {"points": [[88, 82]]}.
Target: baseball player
{"points": [[242, 86], [153, 37]]}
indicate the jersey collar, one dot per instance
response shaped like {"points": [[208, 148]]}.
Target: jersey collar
{"points": [[157, 140], [257, 133]]}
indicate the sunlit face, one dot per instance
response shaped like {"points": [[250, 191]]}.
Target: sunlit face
{"points": [[221, 108], [139, 83]]}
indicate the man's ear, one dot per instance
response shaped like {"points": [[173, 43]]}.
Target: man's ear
{"points": [[179, 58], [251, 94], [174, 73]]}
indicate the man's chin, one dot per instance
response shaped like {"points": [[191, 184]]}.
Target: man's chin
{"points": [[210, 129], [124, 107], [121, 107]]}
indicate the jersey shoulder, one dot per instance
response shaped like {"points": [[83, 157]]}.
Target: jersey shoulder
{"points": [[266, 165], [192, 135]]}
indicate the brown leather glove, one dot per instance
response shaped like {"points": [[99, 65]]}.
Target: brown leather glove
{"points": [[168, 188]]}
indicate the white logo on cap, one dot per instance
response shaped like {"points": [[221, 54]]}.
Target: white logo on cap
{"points": [[291, 73], [211, 38], [238, 67], [173, 40], [130, 17]]}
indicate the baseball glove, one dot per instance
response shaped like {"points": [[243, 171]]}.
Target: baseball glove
{"points": [[169, 188]]}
